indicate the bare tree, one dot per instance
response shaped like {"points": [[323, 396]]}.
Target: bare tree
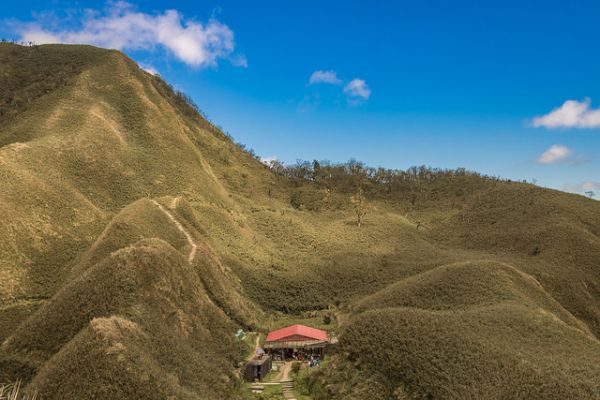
{"points": [[361, 207], [590, 194]]}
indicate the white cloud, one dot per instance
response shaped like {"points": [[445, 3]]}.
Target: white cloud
{"points": [[589, 185], [239, 60], [37, 35], [122, 28], [582, 187], [572, 114], [555, 153], [357, 89], [324, 77], [149, 69]]}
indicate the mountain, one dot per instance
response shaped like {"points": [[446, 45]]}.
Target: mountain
{"points": [[138, 238]]}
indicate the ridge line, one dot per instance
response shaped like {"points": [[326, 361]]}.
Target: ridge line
{"points": [[180, 227]]}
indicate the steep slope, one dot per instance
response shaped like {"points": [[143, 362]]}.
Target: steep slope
{"points": [[86, 269], [108, 136]]}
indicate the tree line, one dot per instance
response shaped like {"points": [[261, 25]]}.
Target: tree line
{"points": [[351, 176]]}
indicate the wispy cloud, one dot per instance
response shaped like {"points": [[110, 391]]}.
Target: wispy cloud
{"points": [[583, 187], [239, 60], [555, 153], [572, 114], [324, 77], [309, 103], [357, 90], [149, 69], [123, 28], [558, 153]]}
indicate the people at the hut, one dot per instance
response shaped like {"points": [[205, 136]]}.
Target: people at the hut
{"points": [[301, 355]]}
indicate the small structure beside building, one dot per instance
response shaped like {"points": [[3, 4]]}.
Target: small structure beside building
{"points": [[296, 341], [258, 368]]}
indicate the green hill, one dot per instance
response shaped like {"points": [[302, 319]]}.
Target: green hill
{"points": [[143, 316], [138, 238], [465, 330]]}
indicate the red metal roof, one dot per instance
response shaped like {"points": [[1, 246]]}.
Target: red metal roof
{"points": [[296, 332]]}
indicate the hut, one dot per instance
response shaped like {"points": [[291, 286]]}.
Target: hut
{"points": [[258, 368], [296, 341]]}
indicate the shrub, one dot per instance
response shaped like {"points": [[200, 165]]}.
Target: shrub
{"points": [[296, 365]]}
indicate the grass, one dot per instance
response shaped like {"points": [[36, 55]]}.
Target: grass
{"points": [[474, 353], [13, 392], [140, 314], [456, 286], [271, 376], [12, 314], [306, 384], [31, 73], [473, 327], [314, 319], [155, 295]]}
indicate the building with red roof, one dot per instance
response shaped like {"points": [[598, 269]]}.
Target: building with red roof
{"points": [[290, 340]]}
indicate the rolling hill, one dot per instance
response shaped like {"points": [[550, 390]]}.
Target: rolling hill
{"points": [[138, 238]]}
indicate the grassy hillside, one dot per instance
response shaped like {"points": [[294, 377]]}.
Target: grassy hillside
{"points": [[140, 315], [465, 331], [184, 313], [106, 139], [455, 286], [550, 235]]}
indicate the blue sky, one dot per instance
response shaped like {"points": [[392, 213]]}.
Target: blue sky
{"points": [[509, 88]]}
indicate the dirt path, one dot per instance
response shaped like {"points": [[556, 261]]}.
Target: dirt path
{"points": [[286, 383], [285, 372], [187, 235], [256, 346]]}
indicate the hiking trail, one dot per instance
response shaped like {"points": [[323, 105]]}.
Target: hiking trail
{"points": [[187, 235]]}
